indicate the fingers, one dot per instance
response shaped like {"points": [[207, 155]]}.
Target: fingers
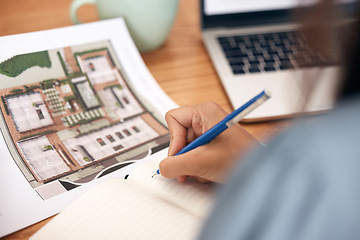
{"points": [[179, 121], [187, 123], [175, 167], [200, 163], [205, 163], [211, 161], [182, 178]]}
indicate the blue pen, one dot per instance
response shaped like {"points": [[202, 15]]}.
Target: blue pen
{"points": [[228, 121]]}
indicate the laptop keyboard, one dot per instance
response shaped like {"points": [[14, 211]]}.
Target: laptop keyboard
{"points": [[271, 52]]}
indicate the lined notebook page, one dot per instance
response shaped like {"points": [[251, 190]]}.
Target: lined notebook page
{"points": [[120, 209], [194, 197]]}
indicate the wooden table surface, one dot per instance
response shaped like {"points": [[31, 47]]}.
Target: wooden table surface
{"points": [[181, 66]]}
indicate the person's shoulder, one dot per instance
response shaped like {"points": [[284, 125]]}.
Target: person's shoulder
{"points": [[324, 139], [338, 127], [322, 143]]}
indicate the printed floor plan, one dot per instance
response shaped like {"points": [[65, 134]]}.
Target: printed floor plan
{"points": [[78, 121]]}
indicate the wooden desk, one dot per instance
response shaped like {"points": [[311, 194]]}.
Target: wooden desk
{"points": [[181, 67]]}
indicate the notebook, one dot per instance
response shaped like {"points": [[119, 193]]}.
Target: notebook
{"points": [[140, 207], [256, 45]]}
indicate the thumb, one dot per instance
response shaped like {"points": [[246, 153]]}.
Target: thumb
{"points": [[175, 166], [190, 164]]}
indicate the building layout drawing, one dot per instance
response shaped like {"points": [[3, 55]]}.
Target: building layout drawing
{"points": [[72, 116]]}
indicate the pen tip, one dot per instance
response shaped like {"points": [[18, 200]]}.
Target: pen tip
{"points": [[156, 173]]}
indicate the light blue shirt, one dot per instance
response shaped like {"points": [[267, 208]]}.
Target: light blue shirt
{"points": [[304, 185]]}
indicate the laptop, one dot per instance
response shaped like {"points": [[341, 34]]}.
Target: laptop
{"points": [[256, 45]]}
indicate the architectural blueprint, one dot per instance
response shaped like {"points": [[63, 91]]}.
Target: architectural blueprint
{"points": [[78, 107], [78, 125]]}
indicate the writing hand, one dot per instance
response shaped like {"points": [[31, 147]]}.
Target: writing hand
{"points": [[209, 162]]}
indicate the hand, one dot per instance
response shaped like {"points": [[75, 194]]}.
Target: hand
{"points": [[209, 162]]}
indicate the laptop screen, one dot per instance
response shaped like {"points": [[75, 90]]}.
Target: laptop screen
{"points": [[220, 7], [231, 13]]}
